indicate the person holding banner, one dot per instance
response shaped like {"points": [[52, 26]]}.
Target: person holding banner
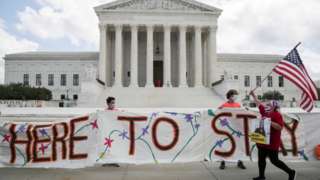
{"points": [[231, 96], [111, 106], [271, 110], [111, 101]]}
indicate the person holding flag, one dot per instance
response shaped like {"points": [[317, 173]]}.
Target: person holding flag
{"points": [[271, 110], [291, 68]]}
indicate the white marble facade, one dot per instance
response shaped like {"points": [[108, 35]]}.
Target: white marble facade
{"points": [[144, 42], [150, 49]]}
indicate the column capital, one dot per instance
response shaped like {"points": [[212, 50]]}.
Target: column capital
{"points": [[167, 26], [198, 27], [118, 26], [213, 28], [183, 27], [150, 26], [102, 26], [134, 27]]}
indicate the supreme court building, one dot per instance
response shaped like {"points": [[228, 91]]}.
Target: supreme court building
{"points": [[153, 53]]}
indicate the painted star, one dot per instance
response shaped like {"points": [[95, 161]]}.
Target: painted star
{"points": [[189, 118], [124, 135], [238, 134], [22, 128], [6, 138], [43, 132], [94, 124], [43, 148], [145, 130], [220, 143], [224, 122], [108, 142]]}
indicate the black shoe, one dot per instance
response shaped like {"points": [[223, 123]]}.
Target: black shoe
{"points": [[222, 165], [292, 175], [111, 165], [241, 165], [259, 178]]}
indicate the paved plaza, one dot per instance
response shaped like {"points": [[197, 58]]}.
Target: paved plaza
{"points": [[188, 171]]}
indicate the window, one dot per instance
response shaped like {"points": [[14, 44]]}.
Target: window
{"points": [[258, 81], [259, 97], [235, 77], [281, 81], [75, 97], [76, 79], [247, 81], [38, 79], [63, 80], [50, 79], [26, 79], [62, 96], [270, 81]]}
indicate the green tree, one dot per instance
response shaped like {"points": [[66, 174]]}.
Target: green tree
{"points": [[272, 95], [22, 92]]}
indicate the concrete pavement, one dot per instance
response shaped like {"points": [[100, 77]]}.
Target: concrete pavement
{"points": [[188, 171]]}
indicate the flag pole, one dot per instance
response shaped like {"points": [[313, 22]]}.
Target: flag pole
{"points": [[264, 79]]}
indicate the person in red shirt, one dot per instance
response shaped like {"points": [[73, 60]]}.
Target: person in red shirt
{"points": [[271, 110], [231, 96]]}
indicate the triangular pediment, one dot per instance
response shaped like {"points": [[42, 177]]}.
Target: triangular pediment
{"points": [[165, 5]]}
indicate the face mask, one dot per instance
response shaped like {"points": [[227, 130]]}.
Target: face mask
{"points": [[234, 98], [268, 108]]}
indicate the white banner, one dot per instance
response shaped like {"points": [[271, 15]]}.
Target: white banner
{"points": [[158, 137]]}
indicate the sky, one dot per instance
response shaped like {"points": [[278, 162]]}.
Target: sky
{"points": [[245, 26]]}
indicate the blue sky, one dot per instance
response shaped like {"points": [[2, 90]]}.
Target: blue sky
{"points": [[245, 26]]}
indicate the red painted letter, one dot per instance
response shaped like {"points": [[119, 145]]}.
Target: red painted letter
{"points": [[214, 127], [62, 139], [45, 141], [131, 120], [74, 138], [245, 118], [175, 133], [14, 141]]}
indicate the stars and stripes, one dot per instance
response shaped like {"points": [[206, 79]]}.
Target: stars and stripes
{"points": [[292, 68]]}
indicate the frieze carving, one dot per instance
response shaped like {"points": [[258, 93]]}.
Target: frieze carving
{"points": [[157, 5]]}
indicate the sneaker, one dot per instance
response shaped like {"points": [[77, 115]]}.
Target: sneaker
{"points": [[292, 175], [259, 178], [222, 165], [241, 165]]}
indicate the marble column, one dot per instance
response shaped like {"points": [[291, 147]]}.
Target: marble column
{"points": [[134, 57], [103, 53], [149, 78], [118, 57], [198, 57], [167, 57], [212, 52], [182, 57]]}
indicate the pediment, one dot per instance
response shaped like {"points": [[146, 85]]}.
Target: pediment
{"points": [[164, 5]]}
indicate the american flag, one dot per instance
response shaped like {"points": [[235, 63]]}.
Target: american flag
{"points": [[292, 68]]}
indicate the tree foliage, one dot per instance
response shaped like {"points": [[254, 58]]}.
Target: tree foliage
{"points": [[272, 95], [22, 92]]}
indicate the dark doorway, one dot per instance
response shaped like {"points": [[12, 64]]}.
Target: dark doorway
{"points": [[158, 73]]}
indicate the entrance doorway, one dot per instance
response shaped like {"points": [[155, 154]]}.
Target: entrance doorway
{"points": [[158, 73]]}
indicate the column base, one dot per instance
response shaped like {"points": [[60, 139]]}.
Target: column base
{"points": [[149, 85], [183, 86]]}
